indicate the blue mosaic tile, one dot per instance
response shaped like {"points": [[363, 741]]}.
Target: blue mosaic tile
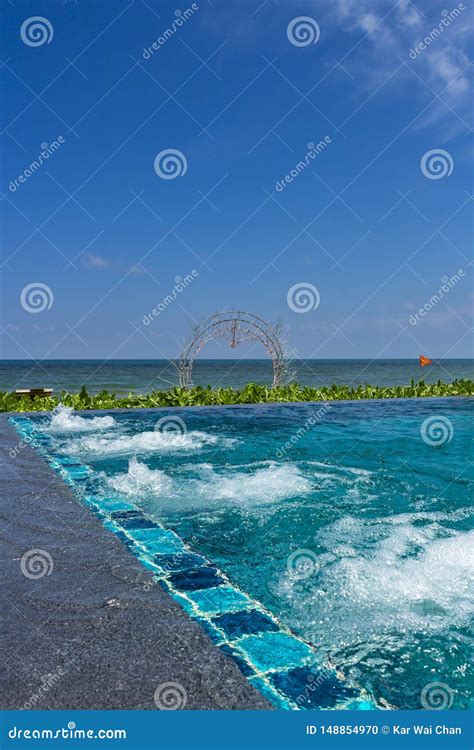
{"points": [[179, 561], [124, 538], [111, 526], [196, 579], [182, 599], [221, 599], [119, 534], [159, 541], [42, 440], [272, 651], [132, 519], [270, 693], [147, 562], [214, 634], [77, 472], [236, 624], [309, 687], [244, 667], [88, 485], [112, 504], [66, 461], [94, 506]]}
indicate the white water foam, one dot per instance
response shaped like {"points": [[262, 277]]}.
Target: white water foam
{"points": [[142, 443], [408, 578], [141, 480], [440, 575], [64, 420], [341, 469], [265, 485], [340, 475]]}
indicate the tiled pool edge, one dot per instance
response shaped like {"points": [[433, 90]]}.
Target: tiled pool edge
{"points": [[282, 666]]}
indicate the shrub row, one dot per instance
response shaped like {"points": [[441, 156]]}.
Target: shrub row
{"points": [[251, 394]]}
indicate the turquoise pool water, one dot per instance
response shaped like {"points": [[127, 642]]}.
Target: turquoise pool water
{"points": [[350, 522]]}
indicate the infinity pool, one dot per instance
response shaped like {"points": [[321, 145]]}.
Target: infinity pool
{"points": [[348, 522]]}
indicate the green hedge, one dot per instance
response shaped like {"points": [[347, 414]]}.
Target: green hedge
{"points": [[251, 394]]}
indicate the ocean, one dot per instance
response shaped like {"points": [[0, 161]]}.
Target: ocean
{"points": [[144, 375]]}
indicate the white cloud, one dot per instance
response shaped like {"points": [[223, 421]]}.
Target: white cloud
{"points": [[392, 31], [368, 21], [409, 15], [96, 261]]}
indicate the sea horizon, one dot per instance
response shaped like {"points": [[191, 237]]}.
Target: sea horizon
{"points": [[144, 375], [233, 359]]}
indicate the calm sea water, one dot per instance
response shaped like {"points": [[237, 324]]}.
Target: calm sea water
{"points": [[351, 524], [141, 376]]}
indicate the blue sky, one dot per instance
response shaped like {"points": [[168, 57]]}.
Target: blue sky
{"points": [[230, 90]]}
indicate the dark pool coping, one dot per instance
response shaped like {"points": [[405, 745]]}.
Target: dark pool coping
{"points": [[96, 633]]}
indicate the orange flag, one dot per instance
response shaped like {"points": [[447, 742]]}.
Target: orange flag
{"points": [[425, 361]]}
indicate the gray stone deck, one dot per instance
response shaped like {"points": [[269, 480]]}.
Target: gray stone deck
{"points": [[94, 633]]}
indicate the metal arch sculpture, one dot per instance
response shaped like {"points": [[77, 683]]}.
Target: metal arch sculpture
{"points": [[235, 328]]}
